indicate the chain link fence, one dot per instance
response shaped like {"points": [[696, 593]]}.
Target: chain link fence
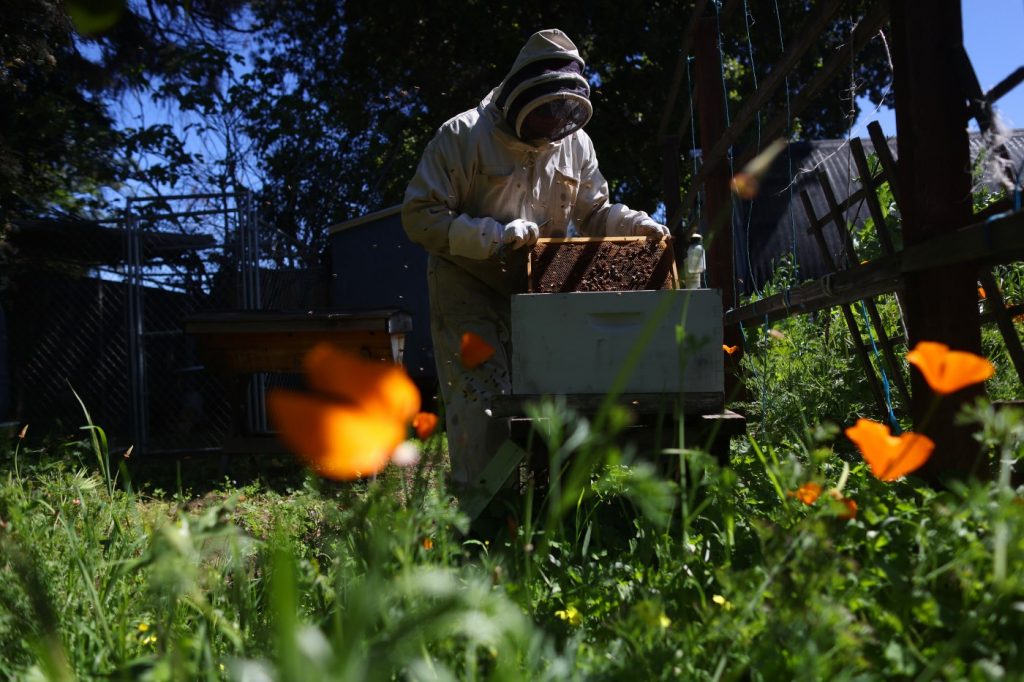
{"points": [[97, 309]]}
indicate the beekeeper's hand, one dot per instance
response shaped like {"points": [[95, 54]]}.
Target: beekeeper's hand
{"points": [[519, 233], [649, 228]]}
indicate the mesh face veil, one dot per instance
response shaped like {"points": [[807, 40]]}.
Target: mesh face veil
{"points": [[545, 96], [552, 119]]}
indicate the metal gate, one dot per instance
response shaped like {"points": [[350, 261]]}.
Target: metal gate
{"points": [[186, 254]]}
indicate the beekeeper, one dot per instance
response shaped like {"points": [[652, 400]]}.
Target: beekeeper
{"points": [[495, 178]]}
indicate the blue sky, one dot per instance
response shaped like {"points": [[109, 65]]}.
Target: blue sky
{"points": [[993, 36]]}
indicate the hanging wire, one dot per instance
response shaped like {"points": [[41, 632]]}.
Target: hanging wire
{"points": [[750, 213], [789, 153], [728, 154], [693, 133]]}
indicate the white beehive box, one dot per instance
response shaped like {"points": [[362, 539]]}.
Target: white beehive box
{"points": [[576, 343]]}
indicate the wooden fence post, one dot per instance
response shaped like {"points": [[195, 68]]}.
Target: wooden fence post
{"points": [[717, 198], [935, 188]]}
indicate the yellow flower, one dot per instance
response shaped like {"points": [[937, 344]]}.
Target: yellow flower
{"points": [[722, 601], [664, 621], [570, 615], [143, 627]]}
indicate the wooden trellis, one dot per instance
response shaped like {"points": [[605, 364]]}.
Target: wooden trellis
{"points": [[944, 244]]}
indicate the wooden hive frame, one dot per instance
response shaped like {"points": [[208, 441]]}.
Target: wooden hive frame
{"points": [[570, 264]]}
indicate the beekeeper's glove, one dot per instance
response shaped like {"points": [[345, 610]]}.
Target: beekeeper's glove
{"points": [[486, 237], [649, 228], [519, 233]]}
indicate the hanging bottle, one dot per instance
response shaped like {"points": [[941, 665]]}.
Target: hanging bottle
{"points": [[694, 262]]}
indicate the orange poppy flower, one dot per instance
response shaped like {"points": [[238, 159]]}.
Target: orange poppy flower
{"points": [[947, 371], [747, 182], [807, 493], [377, 385], [850, 512], [474, 351], [729, 350], [353, 422], [981, 293], [889, 457], [428, 544], [337, 440], [745, 185], [424, 423]]}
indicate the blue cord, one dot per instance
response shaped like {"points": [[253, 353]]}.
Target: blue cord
{"points": [[885, 379]]}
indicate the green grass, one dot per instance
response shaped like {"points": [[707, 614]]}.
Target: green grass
{"points": [[722, 576], [172, 571]]}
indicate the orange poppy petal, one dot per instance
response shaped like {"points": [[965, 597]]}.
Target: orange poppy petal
{"points": [[424, 423], [474, 351], [729, 350], [890, 457], [807, 493], [850, 511], [745, 185], [336, 440], [948, 371], [375, 385], [964, 369]]}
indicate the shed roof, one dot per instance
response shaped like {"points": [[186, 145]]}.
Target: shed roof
{"points": [[90, 242]]}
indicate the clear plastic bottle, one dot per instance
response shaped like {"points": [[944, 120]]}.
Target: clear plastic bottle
{"points": [[694, 262]]}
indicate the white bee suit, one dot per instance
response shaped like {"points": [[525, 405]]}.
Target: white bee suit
{"points": [[474, 178]]}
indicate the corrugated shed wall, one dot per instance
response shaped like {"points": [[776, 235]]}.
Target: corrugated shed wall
{"points": [[774, 227]]}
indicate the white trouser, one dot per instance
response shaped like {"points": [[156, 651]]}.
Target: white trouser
{"points": [[459, 303]]}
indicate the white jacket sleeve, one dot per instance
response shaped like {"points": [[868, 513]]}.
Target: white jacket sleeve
{"points": [[430, 210], [596, 216]]}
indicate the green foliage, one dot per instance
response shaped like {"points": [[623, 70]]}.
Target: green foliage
{"points": [[379, 581], [64, 66], [804, 370]]}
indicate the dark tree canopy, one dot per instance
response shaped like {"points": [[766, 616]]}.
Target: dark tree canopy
{"points": [[333, 102], [61, 63], [344, 96]]}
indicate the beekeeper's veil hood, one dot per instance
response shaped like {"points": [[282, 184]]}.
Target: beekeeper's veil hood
{"points": [[546, 80]]}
